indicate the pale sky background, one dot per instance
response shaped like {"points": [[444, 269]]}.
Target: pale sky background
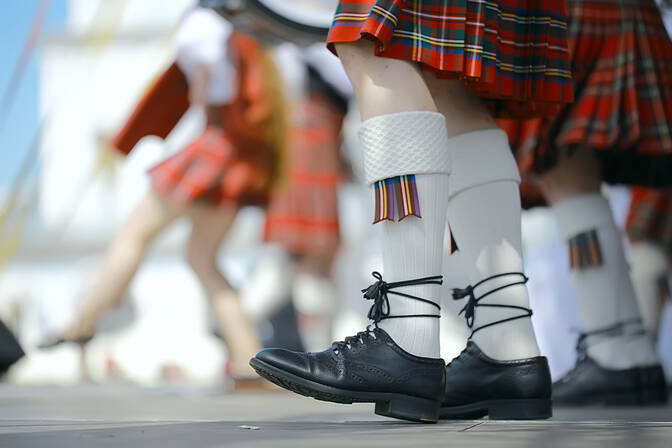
{"points": [[19, 129]]}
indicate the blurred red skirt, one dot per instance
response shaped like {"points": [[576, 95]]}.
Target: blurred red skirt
{"points": [[303, 210], [650, 217], [513, 53], [211, 171], [622, 69]]}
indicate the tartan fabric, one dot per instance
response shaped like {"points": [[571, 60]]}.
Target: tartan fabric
{"points": [[650, 217], [303, 211], [232, 162], [622, 69], [513, 53], [396, 196], [210, 171], [584, 250]]}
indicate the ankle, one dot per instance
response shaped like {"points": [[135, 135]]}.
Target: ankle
{"points": [[497, 311], [408, 312], [418, 336], [624, 352], [508, 341]]}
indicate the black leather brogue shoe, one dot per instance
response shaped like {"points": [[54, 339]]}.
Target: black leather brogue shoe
{"points": [[588, 383], [477, 385], [368, 367]]}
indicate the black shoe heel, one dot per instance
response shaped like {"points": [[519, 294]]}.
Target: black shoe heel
{"points": [[523, 409], [410, 408]]}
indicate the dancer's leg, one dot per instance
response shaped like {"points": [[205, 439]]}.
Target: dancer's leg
{"points": [[484, 216], [412, 248], [210, 226], [121, 262], [601, 278]]}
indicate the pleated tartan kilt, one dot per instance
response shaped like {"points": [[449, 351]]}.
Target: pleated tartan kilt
{"points": [[212, 171], [650, 217], [303, 210], [512, 53], [622, 69]]}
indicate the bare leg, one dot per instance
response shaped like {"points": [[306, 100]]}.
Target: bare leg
{"points": [[383, 86], [121, 262], [572, 176], [210, 226]]}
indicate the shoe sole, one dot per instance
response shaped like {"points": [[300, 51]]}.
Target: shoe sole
{"points": [[522, 409], [404, 407], [645, 397]]}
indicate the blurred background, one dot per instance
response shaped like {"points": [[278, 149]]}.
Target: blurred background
{"points": [[71, 72]]}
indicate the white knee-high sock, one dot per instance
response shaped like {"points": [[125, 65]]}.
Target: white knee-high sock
{"points": [[649, 265], [403, 144], [484, 217], [413, 248], [605, 292]]}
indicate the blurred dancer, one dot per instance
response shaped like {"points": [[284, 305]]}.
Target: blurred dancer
{"points": [[431, 147], [619, 130], [228, 166], [649, 228], [302, 216]]}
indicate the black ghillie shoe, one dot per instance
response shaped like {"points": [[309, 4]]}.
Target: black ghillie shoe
{"points": [[366, 368], [477, 385], [590, 384]]}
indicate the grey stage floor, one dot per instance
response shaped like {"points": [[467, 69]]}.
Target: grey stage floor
{"points": [[125, 416]]}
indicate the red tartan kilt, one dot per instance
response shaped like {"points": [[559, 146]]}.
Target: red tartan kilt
{"points": [[211, 171], [650, 217], [622, 69], [303, 210], [513, 53]]}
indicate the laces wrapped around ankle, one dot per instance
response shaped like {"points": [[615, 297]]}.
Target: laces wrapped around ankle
{"points": [[380, 309], [473, 302], [617, 329]]}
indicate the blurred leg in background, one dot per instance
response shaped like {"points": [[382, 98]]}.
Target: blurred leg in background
{"points": [[120, 264], [209, 228], [649, 228], [600, 138]]}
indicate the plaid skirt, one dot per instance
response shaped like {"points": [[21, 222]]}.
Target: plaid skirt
{"points": [[622, 69], [303, 210], [512, 53], [211, 171], [650, 217]]}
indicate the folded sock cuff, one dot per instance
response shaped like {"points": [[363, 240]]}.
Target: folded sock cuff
{"points": [[404, 143], [582, 213], [479, 158]]}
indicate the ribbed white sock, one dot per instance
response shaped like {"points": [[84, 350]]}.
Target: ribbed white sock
{"points": [[411, 143], [649, 264], [413, 248], [605, 293], [484, 217]]}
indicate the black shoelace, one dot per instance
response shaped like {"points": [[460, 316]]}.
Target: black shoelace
{"points": [[617, 329], [473, 302], [380, 309]]}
